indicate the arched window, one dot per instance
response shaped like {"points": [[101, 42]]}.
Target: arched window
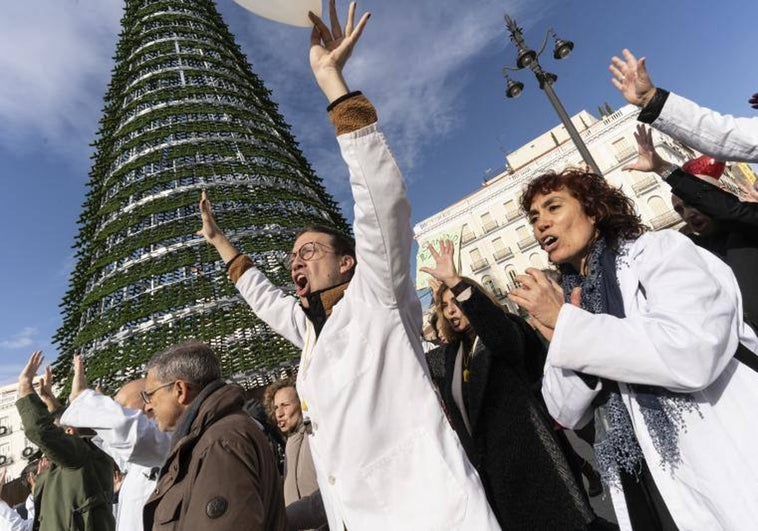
{"points": [[658, 205]]}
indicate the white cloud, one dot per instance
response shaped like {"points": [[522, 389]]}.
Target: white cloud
{"points": [[22, 339], [55, 63]]}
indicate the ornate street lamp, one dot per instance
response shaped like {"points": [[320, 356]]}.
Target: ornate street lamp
{"points": [[528, 58]]}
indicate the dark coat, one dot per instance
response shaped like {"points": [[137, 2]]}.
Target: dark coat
{"points": [[221, 474], [76, 492], [513, 443], [736, 239]]}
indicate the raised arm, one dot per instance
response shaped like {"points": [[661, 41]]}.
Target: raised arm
{"points": [[68, 451], [280, 311], [501, 335], [382, 211], [720, 136], [708, 199]]}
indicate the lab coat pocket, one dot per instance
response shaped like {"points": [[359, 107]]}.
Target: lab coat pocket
{"points": [[415, 487]]}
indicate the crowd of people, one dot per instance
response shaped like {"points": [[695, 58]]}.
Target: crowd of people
{"points": [[639, 341]]}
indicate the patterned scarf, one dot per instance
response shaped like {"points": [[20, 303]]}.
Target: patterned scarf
{"points": [[663, 411]]}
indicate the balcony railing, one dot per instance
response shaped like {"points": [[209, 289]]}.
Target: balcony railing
{"points": [[489, 227], [664, 221], [513, 215], [625, 153], [478, 265], [503, 254], [647, 183], [526, 243]]}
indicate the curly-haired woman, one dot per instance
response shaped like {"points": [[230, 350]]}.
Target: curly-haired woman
{"points": [[647, 337]]}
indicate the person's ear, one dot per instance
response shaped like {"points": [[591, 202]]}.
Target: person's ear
{"points": [[347, 262], [184, 394]]}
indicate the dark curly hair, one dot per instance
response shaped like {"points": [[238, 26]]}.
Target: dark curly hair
{"points": [[614, 214]]}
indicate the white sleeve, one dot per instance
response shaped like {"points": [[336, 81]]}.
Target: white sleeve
{"points": [[567, 397], [129, 436], [721, 136], [10, 520], [682, 336], [382, 218], [280, 311]]}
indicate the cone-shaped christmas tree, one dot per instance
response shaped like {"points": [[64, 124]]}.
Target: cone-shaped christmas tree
{"points": [[183, 113]]}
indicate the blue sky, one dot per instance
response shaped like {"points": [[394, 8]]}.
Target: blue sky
{"points": [[431, 68]]}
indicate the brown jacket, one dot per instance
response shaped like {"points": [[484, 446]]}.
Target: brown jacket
{"points": [[220, 474]]}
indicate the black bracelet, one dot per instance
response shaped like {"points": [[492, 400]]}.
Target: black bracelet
{"points": [[229, 263], [342, 98], [460, 287]]}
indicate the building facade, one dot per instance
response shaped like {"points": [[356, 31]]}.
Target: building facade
{"points": [[495, 239], [15, 448], [183, 113]]}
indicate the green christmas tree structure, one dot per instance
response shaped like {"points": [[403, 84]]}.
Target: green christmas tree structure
{"points": [[183, 113]]}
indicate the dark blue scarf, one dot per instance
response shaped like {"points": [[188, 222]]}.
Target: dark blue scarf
{"points": [[616, 444]]}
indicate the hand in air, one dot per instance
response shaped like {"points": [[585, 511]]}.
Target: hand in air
{"points": [[630, 77]]}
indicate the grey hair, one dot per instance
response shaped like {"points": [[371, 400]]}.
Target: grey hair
{"points": [[191, 361]]}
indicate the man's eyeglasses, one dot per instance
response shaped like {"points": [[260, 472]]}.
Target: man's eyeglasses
{"points": [[145, 395], [308, 251]]}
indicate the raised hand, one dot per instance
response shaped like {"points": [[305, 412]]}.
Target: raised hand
{"points": [[79, 382], [444, 269], [648, 158], [630, 77], [212, 233], [46, 391], [330, 49], [26, 378], [209, 230]]}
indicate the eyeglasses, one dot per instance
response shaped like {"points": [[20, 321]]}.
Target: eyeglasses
{"points": [[145, 395], [308, 251]]}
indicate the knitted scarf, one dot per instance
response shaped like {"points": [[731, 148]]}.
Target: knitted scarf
{"points": [[663, 411]]}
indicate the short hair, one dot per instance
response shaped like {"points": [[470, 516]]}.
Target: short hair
{"points": [[270, 393], [191, 361], [30, 468], [613, 211], [342, 244]]}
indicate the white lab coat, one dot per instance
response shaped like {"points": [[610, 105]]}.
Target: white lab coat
{"points": [[133, 441], [682, 327], [10, 520], [385, 455], [723, 137]]}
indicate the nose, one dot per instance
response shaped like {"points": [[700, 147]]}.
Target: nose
{"points": [[148, 409]]}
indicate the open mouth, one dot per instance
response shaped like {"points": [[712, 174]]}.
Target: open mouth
{"points": [[301, 284], [549, 243]]}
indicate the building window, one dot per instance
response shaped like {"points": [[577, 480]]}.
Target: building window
{"points": [[510, 273], [489, 285], [657, 205], [488, 223], [501, 252], [525, 238], [512, 210], [477, 262], [467, 235], [536, 261], [623, 149]]}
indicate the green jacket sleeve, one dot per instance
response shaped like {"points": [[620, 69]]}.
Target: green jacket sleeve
{"points": [[67, 451]]}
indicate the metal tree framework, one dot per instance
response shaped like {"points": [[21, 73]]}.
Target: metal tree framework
{"points": [[183, 113]]}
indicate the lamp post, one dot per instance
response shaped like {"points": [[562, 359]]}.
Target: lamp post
{"points": [[528, 58]]}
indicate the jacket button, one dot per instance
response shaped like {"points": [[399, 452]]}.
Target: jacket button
{"points": [[332, 479]]}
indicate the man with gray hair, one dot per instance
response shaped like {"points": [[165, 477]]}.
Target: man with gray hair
{"points": [[220, 472]]}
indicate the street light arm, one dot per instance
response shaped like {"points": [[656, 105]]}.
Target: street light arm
{"points": [[544, 42]]}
